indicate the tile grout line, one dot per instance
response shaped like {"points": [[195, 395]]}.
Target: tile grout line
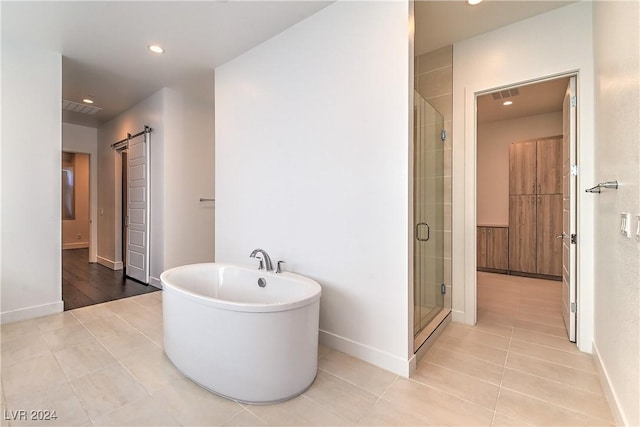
{"points": [[453, 350], [119, 362], [560, 406], [576, 353], [243, 408], [98, 370], [504, 367], [352, 383], [528, 395], [555, 363], [447, 393], [554, 381], [461, 373]]}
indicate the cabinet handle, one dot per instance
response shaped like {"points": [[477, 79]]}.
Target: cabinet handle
{"points": [[539, 189]]}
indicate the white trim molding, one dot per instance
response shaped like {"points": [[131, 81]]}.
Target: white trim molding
{"points": [[114, 265], [609, 393], [155, 282], [369, 354], [31, 312], [77, 245]]}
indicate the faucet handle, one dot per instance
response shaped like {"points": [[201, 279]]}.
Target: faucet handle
{"points": [[279, 267], [261, 263]]}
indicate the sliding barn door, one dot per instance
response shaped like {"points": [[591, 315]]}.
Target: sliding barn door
{"points": [[137, 256]]}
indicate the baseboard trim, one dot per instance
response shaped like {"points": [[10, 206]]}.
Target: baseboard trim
{"points": [[610, 394], [458, 317], [114, 265], [371, 355], [156, 283], [31, 312], [76, 245]]}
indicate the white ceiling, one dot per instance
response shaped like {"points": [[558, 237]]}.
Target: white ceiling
{"points": [[104, 43], [536, 98], [441, 23]]}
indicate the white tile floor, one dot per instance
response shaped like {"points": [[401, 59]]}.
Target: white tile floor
{"points": [[104, 365]]}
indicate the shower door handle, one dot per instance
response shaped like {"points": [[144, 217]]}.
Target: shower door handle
{"points": [[421, 239]]}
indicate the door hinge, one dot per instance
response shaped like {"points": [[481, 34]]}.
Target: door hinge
{"points": [[574, 101], [443, 289], [574, 308], [443, 135], [574, 239], [574, 170]]}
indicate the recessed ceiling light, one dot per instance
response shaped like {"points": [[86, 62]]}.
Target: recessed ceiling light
{"points": [[474, 2], [155, 48], [505, 103], [88, 101]]}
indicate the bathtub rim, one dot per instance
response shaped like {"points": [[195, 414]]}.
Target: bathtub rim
{"points": [[246, 307]]}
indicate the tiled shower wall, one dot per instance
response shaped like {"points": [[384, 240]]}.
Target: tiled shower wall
{"points": [[434, 81]]}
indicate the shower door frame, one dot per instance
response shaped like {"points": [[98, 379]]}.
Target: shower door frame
{"points": [[428, 222]]}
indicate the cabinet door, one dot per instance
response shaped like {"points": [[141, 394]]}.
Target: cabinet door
{"points": [[522, 168], [549, 166], [498, 248], [481, 248], [549, 225], [522, 233]]}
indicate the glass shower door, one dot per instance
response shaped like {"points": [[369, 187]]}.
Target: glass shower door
{"points": [[431, 303]]}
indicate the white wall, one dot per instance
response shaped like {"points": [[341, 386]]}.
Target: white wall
{"points": [[617, 272], [181, 171], [31, 281], [312, 165], [547, 45], [189, 224], [83, 139], [492, 163]]}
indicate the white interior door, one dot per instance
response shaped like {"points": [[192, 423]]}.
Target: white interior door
{"points": [[137, 256], [569, 241]]}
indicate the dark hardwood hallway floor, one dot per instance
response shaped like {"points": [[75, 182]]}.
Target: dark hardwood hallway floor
{"points": [[87, 284]]}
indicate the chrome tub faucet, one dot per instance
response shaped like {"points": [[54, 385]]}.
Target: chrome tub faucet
{"points": [[265, 257]]}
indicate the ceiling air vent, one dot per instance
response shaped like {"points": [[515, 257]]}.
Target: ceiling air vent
{"points": [[507, 93], [79, 108]]}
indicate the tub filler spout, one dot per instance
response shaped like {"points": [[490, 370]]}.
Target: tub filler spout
{"points": [[265, 256]]}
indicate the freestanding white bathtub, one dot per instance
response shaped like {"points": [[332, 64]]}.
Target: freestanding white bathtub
{"points": [[241, 340]]}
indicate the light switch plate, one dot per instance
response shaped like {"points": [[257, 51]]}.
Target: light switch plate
{"points": [[638, 227], [625, 224]]}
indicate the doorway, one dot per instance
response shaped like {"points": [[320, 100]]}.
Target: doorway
{"points": [[83, 282], [525, 185]]}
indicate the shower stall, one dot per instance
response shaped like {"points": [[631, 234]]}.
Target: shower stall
{"points": [[432, 298]]}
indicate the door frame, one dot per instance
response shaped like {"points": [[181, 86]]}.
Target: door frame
{"points": [[472, 260], [92, 152]]}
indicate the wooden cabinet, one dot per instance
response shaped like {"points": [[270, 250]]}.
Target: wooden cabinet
{"points": [[534, 223], [481, 248], [535, 167], [522, 167], [549, 225], [493, 249], [549, 166], [535, 206], [522, 233]]}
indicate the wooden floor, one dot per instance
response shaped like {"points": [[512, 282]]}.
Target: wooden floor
{"points": [[87, 284]]}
